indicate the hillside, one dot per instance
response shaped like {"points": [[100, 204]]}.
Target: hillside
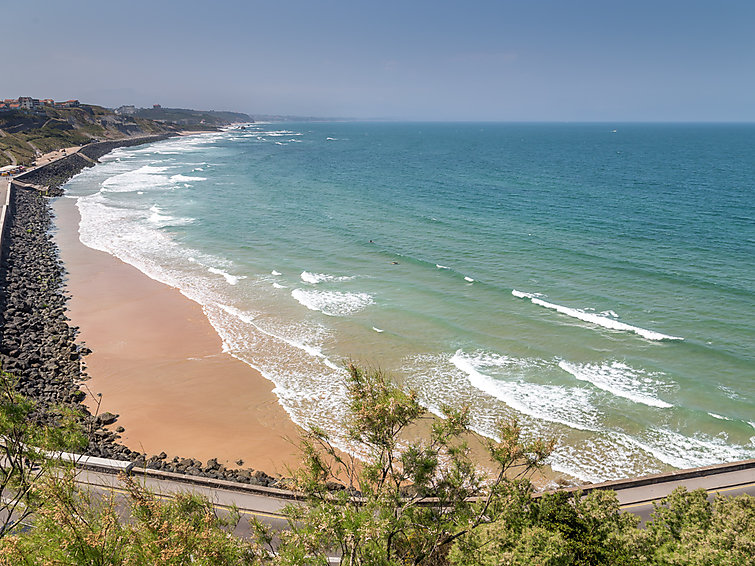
{"points": [[25, 134], [196, 119]]}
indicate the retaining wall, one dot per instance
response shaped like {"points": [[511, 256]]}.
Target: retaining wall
{"points": [[5, 213], [56, 173]]}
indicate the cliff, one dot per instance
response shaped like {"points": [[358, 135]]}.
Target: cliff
{"points": [[26, 134]]}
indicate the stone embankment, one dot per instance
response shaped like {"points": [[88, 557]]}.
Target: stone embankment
{"points": [[38, 343], [55, 174]]}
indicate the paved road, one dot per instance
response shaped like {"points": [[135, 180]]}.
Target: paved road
{"points": [[639, 500], [645, 509], [635, 496], [4, 182], [264, 507]]}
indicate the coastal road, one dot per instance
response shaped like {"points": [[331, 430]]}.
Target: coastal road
{"points": [[645, 509], [635, 495], [265, 504]]}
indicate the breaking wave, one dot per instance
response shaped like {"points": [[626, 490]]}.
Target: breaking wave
{"points": [[603, 321]]}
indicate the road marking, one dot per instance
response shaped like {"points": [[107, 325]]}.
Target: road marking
{"points": [[712, 490]]}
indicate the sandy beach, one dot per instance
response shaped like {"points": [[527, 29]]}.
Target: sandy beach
{"points": [[159, 364]]}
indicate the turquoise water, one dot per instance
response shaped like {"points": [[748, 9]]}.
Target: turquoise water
{"points": [[595, 281]]}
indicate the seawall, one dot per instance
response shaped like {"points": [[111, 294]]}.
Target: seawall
{"points": [[51, 176]]}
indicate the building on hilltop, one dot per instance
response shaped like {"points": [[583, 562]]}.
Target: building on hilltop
{"points": [[29, 103], [126, 110]]}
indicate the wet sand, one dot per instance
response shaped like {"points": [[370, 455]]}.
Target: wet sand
{"points": [[159, 364]]}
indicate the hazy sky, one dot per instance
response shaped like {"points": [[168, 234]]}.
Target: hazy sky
{"points": [[423, 60]]}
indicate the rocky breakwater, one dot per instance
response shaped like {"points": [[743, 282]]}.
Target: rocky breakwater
{"points": [[56, 173], [98, 149], [38, 344], [53, 175]]}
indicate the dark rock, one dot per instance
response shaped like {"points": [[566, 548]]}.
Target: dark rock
{"points": [[77, 396], [107, 418]]}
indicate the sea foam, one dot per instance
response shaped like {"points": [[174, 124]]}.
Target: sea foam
{"points": [[332, 303], [315, 278], [619, 379], [568, 406], [603, 321], [232, 279], [186, 179], [144, 178]]}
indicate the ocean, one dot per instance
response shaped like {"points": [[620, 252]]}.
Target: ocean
{"points": [[594, 281]]}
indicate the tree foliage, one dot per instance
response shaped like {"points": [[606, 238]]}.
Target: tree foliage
{"points": [[409, 500], [27, 450], [421, 502], [76, 526], [687, 529]]}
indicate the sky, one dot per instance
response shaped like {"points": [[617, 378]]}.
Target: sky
{"points": [[529, 60]]}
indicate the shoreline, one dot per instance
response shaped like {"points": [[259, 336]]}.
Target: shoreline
{"points": [[43, 349], [159, 363], [169, 336]]}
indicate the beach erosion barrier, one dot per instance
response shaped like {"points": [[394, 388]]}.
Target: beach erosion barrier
{"points": [[54, 174], [6, 187]]}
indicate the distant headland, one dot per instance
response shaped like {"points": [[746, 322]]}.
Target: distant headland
{"points": [[30, 127]]}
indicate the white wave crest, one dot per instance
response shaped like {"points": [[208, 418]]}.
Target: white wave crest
{"points": [[274, 272], [719, 417], [232, 279], [248, 318], [680, 451], [314, 278], [567, 406], [332, 303], [186, 179], [158, 217], [144, 178], [620, 380], [594, 318], [439, 266]]}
